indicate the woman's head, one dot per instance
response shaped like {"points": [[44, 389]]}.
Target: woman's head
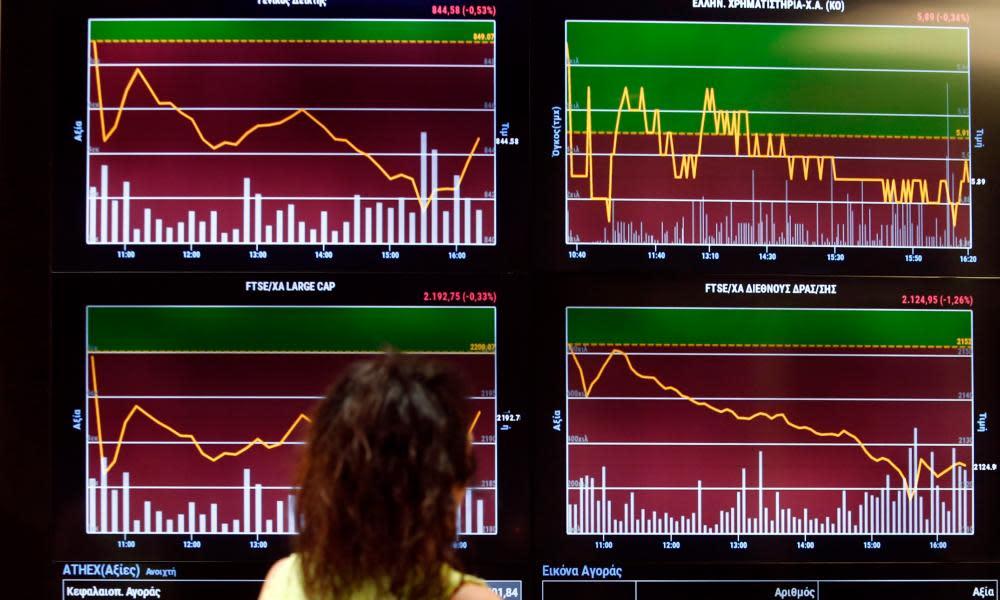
{"points": [[388, 447]]}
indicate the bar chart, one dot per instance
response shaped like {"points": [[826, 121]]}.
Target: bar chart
{"points": [[316, 149], [769, 422], [196, 415]]}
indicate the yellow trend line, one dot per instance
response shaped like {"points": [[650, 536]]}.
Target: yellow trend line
{"points": [[138, 75], [475, 420], [136, 409], [910, 490], [735, 123]]}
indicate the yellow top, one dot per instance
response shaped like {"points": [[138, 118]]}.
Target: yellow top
{"points": [[284, 582]]}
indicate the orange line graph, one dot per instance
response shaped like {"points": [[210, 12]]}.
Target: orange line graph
{"points": [[782, 417], [736, 123], [138, 75], [136, 409]]}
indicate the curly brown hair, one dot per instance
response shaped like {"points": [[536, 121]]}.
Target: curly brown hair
{"points": [[387, 450]]}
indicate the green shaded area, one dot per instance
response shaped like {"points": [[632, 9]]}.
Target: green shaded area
{"points": [[288, 329], [190, 30], [767, 326], [778, 91], [733, 44], [675, 63]]}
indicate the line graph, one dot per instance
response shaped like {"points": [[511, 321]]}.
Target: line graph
{"points": [[863, 418], [194, 420], [745, 145], [164, 89]]}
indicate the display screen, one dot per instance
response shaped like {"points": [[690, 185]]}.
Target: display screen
{"points": [[224, 394], [720, 276]]}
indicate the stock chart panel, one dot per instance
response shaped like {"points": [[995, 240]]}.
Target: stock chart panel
{"points": [[787, 140], [752, 420], [222, 395], [827, 422], [341, 141]]}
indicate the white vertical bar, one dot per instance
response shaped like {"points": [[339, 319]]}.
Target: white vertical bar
{"points": [[114, 221], [136, 525], [760, 490], [423, 223], [246, 212], [258, 506], [390, 218], [268, 234], [136, 235], [104, 203], [456, 194], [413, 227], [467, 217], [280, 517], [268, 526], [479, 226], [246, 500], [213, 218], [202, 234], [302, 233], [147, 217], [324, 227], [401, 213], [191, 517], [170, 525], [190, 227], [92, 215], [291, 225], [467, 505], [126, 214], [258, 209], [368, 224], [446, 227], [334, 236], [432, 197], [423, 172], [347, 232], [158, 526], [202, 527], [214, 518], [378, 222], [125, 502], [479, 515], [104, 494], [357, 218], [603, 521], [279, 226], [313, 239], [291, 513], [147, 509], [699, 522], [180, 233], [225, 528], [236, 526], [114, 511]]}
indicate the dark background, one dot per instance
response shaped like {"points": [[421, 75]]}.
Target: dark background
{"points": [[46, 279]]}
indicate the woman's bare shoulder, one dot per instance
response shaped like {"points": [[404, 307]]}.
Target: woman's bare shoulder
{"points": [[471, 591], [270, 582]]}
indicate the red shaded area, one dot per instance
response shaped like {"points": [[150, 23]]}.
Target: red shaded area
{"points": [[299, 52], [771, 201], [225, 401], [631, 434], [371, 153]]}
